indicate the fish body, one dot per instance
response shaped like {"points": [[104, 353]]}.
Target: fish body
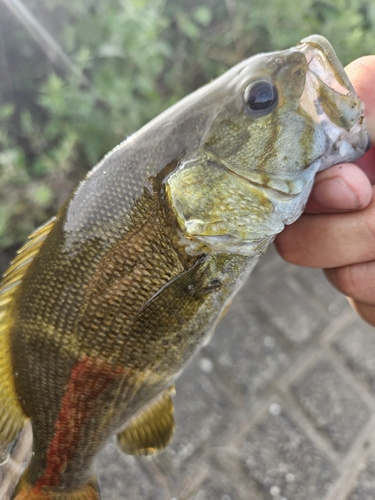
{"points": [[106, 303]]}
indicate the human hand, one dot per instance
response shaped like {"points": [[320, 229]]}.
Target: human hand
{"points": [[337, 230]]}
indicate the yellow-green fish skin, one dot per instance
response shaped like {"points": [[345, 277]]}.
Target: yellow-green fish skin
{"points": [[149, 250]]}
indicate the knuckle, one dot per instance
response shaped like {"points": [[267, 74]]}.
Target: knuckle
{"points": [[365, 311], [353, 280]]}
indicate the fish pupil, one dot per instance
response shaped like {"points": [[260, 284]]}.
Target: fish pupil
{"points": [[261, 96]]}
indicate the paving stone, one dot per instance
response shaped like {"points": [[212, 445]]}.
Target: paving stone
{"points": [[221, 486], [332, 404], [365, 489], [314, 281], [247, 353], [228, 464], [296, 313], [356, 343], [131, 478], [211, 492], [283, 462]]}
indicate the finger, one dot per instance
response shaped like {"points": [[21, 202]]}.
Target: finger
{"points": [[367, 164], [330, 240], [361, 73], [356, 281], [344, 187], [365, 311]]}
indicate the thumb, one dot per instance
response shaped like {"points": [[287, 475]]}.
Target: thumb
{"points": [[342, 188]]}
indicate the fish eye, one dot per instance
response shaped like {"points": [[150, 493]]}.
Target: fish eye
{"points": [[261, 97]]}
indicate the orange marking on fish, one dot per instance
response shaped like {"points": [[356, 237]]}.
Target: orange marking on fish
{"points": [[88, 379]]}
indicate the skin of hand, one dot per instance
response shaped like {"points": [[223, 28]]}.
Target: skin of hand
{"points": [[337, 230]]}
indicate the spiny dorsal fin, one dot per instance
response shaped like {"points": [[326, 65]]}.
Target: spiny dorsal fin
{"points": [[12, 417], [151, 430], [25, 254]]}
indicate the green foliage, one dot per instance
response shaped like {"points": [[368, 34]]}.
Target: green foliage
{"points": [[139, 56]]}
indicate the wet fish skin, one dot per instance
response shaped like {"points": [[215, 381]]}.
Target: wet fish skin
{"points": [[106, 303]]}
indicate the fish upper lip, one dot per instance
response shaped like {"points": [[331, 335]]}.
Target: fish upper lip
{"points": [[323, 62], [328, 96]]}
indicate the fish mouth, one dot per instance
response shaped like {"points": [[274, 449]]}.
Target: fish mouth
{"points": [[330, 101]]}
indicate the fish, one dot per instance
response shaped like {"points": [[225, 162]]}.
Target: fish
{"points": [[106, 303]]}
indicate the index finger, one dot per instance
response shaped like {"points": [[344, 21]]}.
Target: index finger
{"points": [[330, 240], [361, 73]]}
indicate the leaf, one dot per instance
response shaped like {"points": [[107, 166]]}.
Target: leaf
{"points": [[42, 195], [202, 15]]}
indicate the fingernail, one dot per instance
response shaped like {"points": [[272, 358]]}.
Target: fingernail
{"points": [[334, 193]]}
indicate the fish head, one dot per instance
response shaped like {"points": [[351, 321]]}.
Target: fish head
{"points": [[283, 117]]}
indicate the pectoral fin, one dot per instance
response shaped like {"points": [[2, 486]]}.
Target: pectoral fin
{"points": [[151, 430]]}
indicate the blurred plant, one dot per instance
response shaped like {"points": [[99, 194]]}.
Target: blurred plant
{"points": [[139, 56]]}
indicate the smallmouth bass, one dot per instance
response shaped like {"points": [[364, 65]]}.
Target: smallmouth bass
{"points": [[106, 303]]}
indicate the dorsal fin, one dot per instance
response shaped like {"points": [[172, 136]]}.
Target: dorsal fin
{"points": [[12, 417]]}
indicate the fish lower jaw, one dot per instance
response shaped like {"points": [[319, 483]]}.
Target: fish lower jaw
{"points": [[343, 143], [346, 141], [348, 146]]}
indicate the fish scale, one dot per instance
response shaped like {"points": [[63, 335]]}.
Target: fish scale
{"points": [[105, 305]]}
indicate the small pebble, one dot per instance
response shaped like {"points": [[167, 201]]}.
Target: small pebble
{"points": [[275, 409], [206, 365], [275, 491]]}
